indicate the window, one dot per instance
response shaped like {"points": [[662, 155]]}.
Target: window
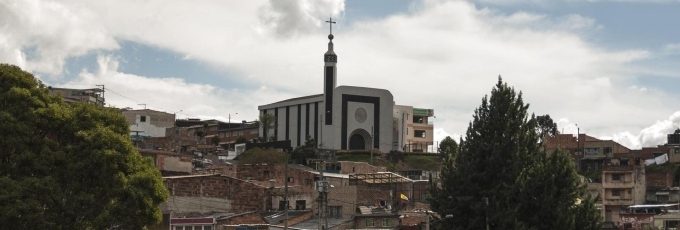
{"points": [[385, 222], [266, 174], [419, 133], [283, 205], [308, 181], [353, 169], [677, 150], [607, 150], [369, 222], [300, 205], [616, 192], [335, 211], [207, 227], [628, 226], [592, 151], [142, 118], [166, 217], [617, 177], [290, 180], [672, 224], [179, 228], [662, 198]]}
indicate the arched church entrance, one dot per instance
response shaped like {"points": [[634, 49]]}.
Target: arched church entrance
{"points": [[359, 140]]}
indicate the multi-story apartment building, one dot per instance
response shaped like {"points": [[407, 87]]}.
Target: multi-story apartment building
{"points": [[623, 185], [589, 153], [89, 96], [249, 130], [413, 129], [149, 123]]}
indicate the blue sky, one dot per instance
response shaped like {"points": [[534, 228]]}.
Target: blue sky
{"points": [[610, 66]]}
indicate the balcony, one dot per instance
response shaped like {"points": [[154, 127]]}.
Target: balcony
{"points": [[618, 201], [618, 168], [618, 184]]}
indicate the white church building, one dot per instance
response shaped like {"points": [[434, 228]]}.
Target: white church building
{"points": [[350, 117]]}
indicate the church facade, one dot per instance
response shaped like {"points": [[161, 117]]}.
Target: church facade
{"points": [[349, 117]]}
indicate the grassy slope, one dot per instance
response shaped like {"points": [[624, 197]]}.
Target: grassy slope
{"points": [[411, 161]]}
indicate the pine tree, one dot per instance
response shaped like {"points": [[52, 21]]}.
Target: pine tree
{"points": [[502, 177]]}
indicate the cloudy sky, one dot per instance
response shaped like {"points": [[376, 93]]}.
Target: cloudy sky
{"points": [[610, 66]]}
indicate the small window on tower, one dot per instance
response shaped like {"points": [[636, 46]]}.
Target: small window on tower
{"points": [[142, 118]]}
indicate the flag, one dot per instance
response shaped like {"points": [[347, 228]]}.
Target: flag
{"points": [[403, 197]]}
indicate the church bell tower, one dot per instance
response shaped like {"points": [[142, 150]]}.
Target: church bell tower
{"points": [[330, 77]]}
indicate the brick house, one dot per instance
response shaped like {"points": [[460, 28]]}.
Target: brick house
{"points": [[301, 193], [169, 163], [215, 193]]}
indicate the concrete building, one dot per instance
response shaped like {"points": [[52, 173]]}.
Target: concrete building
{"points": [[623, 185], [415, 128], [149, 123], [589, 153], [349, 117], [90, 96], [170, 163]]}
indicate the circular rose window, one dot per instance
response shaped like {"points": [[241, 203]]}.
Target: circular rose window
{"points": [[360, 115]]}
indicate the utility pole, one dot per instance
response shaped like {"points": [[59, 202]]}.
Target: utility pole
{"points": [[371, 145], [320, 189], [320, 142], [323, 187], [427, 214], [486, 200], [285, 193]]}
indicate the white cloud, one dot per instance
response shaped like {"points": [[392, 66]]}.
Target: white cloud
{"points": [[287, 18], [651, 136], [52, 30], [444, 55], [173, 94]]}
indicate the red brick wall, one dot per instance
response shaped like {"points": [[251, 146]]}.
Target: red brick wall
{"points": [[659, 180], [244, 196], [262, 173]]}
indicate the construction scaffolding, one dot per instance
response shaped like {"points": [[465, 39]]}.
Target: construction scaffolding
{"points": [[388, 189]]}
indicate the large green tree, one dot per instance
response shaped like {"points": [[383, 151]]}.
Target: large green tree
{"points": [[502, 177], [546, 126], [69, 166], [267, 122], [448, 146]]}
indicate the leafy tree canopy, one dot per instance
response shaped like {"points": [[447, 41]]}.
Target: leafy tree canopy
{"points": [[267, 122], [215, 140], [546, 126], [448, 146], [502, 172], [69, 166], [241, 140]]}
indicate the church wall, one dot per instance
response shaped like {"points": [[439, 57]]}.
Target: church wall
{"points": [[292, 125], [281, 126], [353, 123], [385, 109]]}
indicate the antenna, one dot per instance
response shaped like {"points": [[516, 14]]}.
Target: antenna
{"points": [[143, 105]]}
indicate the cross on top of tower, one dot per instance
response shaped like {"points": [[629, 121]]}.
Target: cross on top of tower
{"points": [[330, 23]]}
